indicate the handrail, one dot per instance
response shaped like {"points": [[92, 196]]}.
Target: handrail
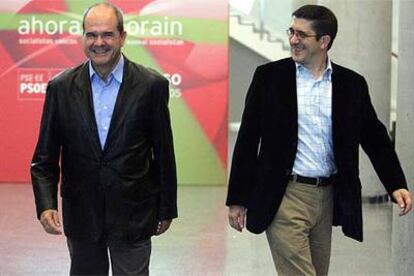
{"points": [[256, 14]]}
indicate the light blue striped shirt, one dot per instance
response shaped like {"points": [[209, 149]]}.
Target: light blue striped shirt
{"points": [[314, 156], [104, 97]]}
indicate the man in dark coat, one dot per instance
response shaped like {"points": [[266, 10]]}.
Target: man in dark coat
{"points": [[295, 169], [106, 134]]}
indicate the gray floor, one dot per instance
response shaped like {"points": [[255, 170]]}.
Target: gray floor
{"points": [[199, 242]]}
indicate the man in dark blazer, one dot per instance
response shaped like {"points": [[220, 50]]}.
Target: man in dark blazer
{"points": [[295, 169], [105, 134]]}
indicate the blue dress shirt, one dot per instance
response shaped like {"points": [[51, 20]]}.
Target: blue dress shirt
{"points": [[104, 97], [314, 156]]}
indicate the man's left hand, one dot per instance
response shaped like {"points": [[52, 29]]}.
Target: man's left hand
{"points": [[163, 226], [403, 199]]}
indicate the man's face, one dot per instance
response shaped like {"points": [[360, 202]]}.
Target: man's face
{"points": [[102, 41], [304, 46]]}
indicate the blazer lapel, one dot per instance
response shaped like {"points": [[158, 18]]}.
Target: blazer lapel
{"points": [[125, 99], [338, 108], [83, 95], [293, 98]]}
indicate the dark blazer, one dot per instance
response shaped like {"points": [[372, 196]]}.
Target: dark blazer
{"points": [[266, 146], [121, 191]]}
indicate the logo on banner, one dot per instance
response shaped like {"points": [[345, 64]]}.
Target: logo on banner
{"points": [[174, 80], [32, 83], [32, 31], [148, 31]]}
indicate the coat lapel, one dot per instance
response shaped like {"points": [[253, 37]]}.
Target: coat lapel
{"points": [[125, 100], [293, 98], [338, 108], [289, 98], [83, 95]]}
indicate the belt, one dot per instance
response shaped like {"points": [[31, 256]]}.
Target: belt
{"points": [[317, 181]]}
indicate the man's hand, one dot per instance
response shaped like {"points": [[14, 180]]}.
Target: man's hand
{"points": [[50, 222], [162, 226], [403, 199], [237, 215]]}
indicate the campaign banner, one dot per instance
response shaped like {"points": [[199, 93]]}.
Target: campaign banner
{"points": [[185, 40]]}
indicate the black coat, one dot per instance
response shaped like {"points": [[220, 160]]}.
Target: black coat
{"points": [[121, 191], [266, 146]]}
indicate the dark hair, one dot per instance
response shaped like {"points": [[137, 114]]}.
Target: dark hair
{"points": [[323, 20], [118, 13]]}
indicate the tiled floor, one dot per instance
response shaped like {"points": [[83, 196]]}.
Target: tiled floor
{"points": [[199, 242]]}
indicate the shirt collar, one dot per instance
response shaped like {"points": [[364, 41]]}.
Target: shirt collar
{"points": [[327, 74], [328, 70], [117, 72]]}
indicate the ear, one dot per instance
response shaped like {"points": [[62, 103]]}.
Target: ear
{"points": [[325, 40], [81, 39], [123, 37]]}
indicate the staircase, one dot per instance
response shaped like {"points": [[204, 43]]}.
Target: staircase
{"points": [[256, 37]]}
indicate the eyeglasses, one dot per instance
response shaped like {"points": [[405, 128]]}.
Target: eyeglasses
{"points": [[93, 36], [299, 34]]}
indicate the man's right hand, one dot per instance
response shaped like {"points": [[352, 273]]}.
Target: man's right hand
{"points": [[237, 217], [50, 222]]}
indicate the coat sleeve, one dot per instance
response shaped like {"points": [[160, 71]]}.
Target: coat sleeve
{"points": [[163, 148], [377, 145], [242, 173], [45, 169]]}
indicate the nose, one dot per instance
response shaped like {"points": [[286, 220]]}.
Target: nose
{"points": [[99, 40], [294, 39]]}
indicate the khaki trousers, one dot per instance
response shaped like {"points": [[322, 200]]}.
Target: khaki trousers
{"points": [[300, 234]]}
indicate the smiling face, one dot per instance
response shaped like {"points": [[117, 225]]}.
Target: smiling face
{"points": [[305, 47], [102, 41]]}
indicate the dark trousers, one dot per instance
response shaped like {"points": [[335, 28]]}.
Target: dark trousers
{"points": [[91, 258]]}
